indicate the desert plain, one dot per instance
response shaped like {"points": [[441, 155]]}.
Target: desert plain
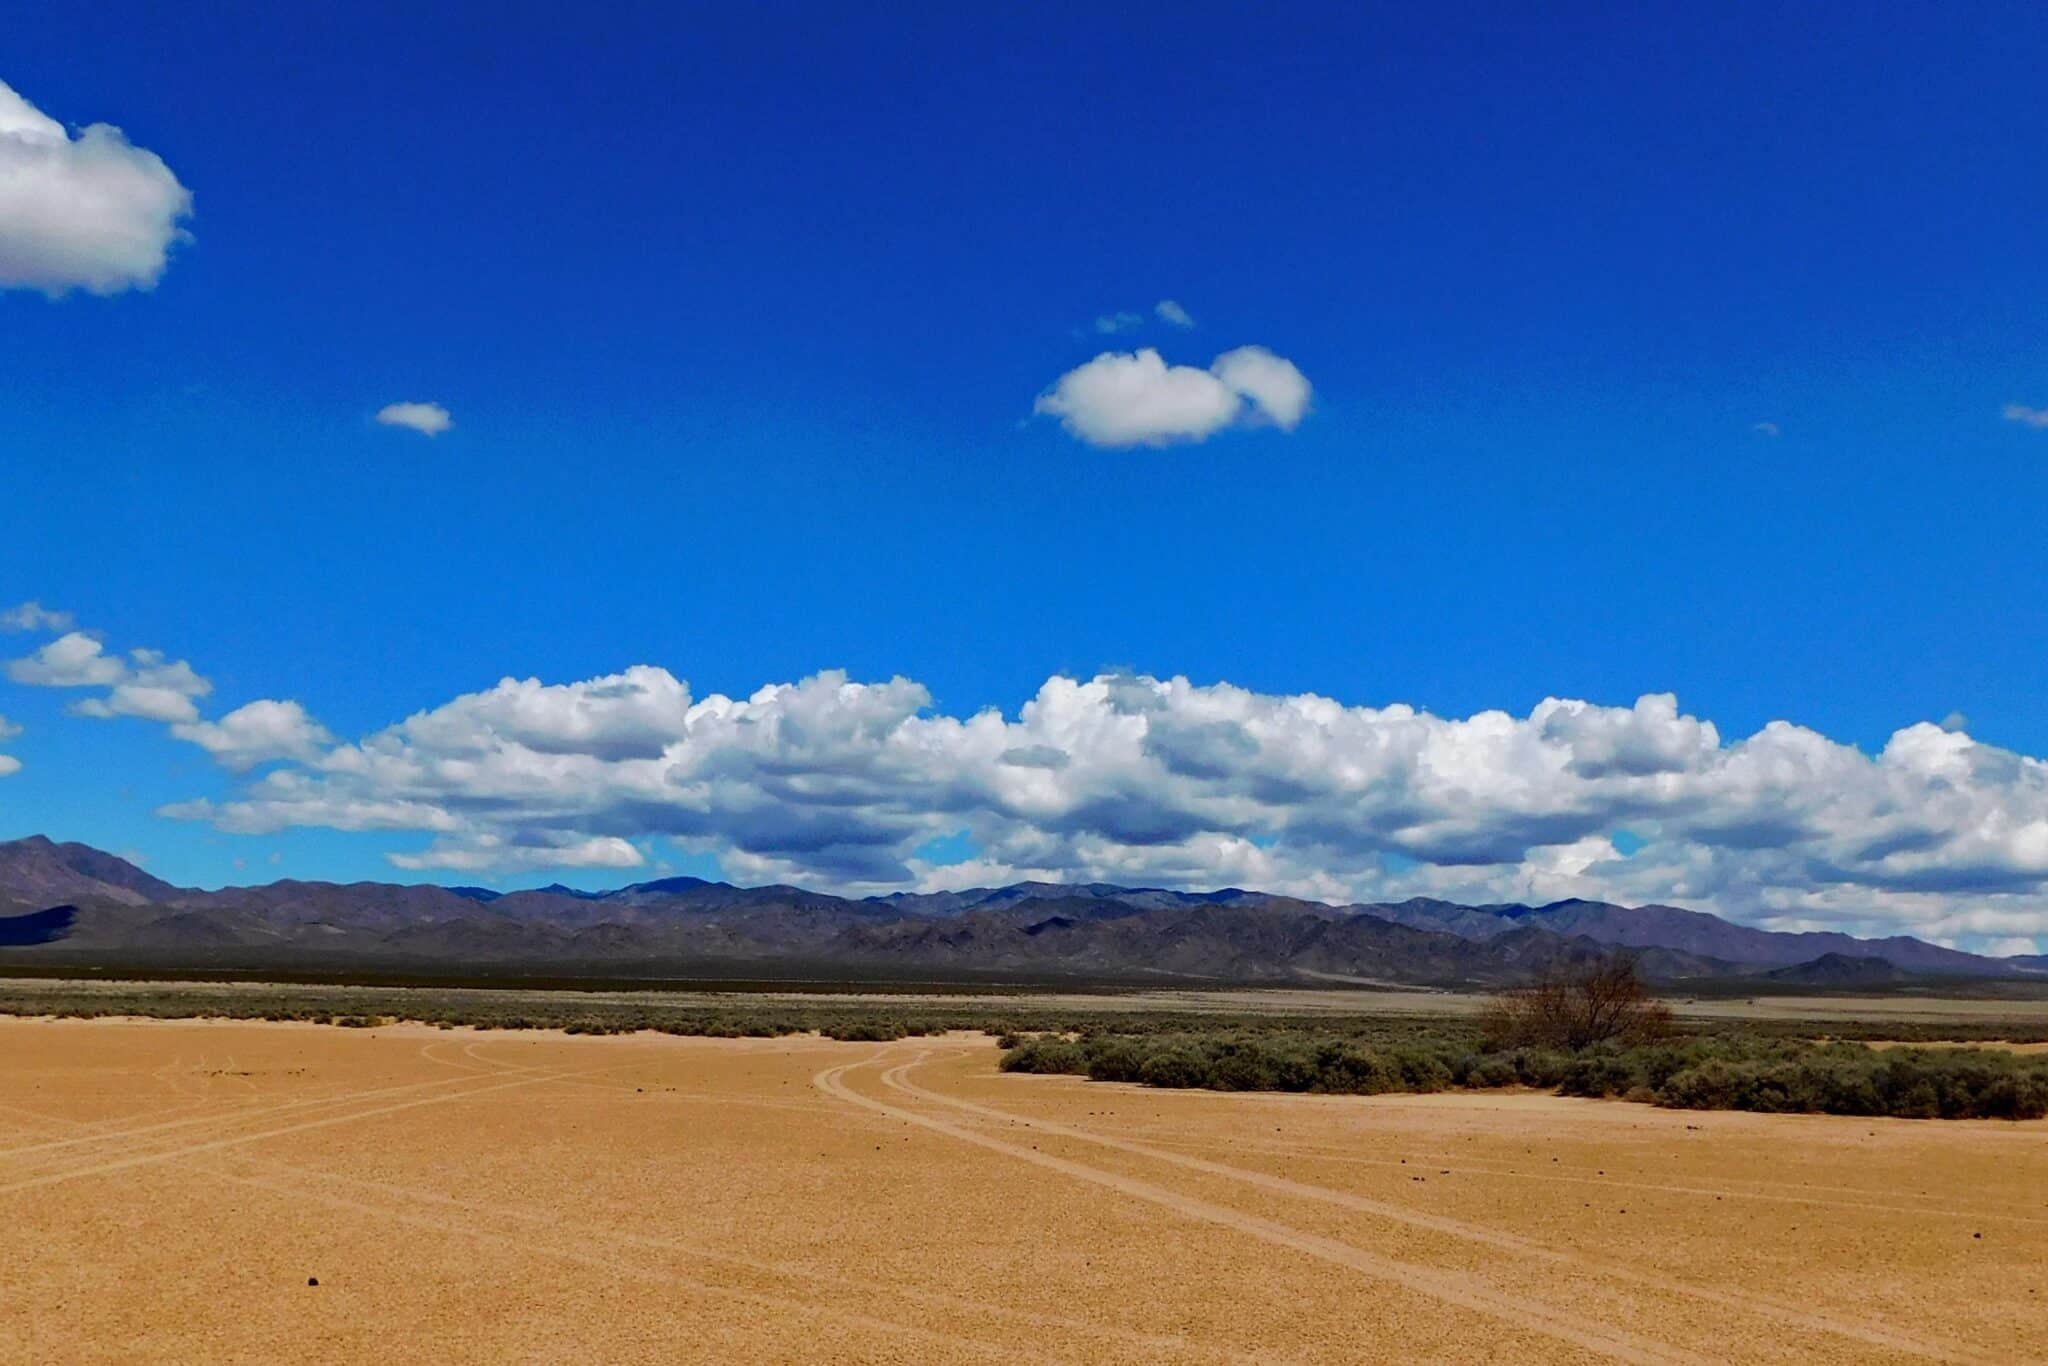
{"points": [[244, 1191]]}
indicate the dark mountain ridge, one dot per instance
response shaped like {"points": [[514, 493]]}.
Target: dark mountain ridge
{"points": [[116, 916], [1697, 932]]}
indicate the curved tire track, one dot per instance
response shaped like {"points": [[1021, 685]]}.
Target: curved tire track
{"points": [[1778, 1311], [1444, 1287]]}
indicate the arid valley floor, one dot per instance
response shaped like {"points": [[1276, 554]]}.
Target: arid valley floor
{"points": [[170, 1190]]}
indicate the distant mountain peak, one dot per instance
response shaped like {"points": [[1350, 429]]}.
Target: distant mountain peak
{"points": [[38, 868]]}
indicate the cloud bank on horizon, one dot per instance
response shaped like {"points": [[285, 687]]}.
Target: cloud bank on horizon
{"points": [[1129, 778], [88, 211]]}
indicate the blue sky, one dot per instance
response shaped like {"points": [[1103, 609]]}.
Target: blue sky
{"points": [[1649, 354]]}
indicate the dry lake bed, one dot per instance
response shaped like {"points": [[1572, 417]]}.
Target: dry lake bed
{"points": [[173, 1191]]}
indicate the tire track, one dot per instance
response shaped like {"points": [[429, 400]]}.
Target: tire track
{"points": [[1788, 1315], [241, 1113], [790, 1271], [500, 1210], [397, 1196], [298, 1190], [87, 1129], [777, 1304], [236, 1140], [167, 1076], [1446, 1288], [1442, 1163]]}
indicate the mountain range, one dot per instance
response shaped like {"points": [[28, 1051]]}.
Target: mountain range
{"points": [[69, 905]]}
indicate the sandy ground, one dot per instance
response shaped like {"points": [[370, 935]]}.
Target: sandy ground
{"points": [[167, 1190]]}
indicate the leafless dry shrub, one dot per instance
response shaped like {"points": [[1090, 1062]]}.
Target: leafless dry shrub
{"points": [[1575, 1006]]}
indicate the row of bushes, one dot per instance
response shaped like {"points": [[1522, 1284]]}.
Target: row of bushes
{"points": [[1721, 1072], [1835, 1079], [727, 1015]]}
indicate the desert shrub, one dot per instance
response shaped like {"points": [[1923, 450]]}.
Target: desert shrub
{"points": [[865, 1030], [1296, 1069], [1243, 1067], [1578, 1006], [1492, 1072], [1605, 1073], [1420, 1070], [1176, 1067], [1538, 1066], [1046, 1053], [1350, 1069], [1113, 1059]]}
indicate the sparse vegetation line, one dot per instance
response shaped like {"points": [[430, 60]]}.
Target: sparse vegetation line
{"points": [[1590, 1031]]}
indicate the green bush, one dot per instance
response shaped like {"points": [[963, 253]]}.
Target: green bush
{"points": [[1490, 1072]]}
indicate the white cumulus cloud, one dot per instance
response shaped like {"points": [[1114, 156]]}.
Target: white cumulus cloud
{"points": [[257, 733], [74, 660], [141, 700], [87, 211], [149, 685], [1277, 390], [2025, 416], [146, 684], [152, 688], [491, 853], [1171, 312], [428, 419], [1137, 399]]}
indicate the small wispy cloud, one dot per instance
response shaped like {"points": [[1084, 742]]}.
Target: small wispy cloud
{"points": [[146, 684], [150, 685], [33, 616], [1767, 429], [428, 419], [2025, 416], [1166, 311]]}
